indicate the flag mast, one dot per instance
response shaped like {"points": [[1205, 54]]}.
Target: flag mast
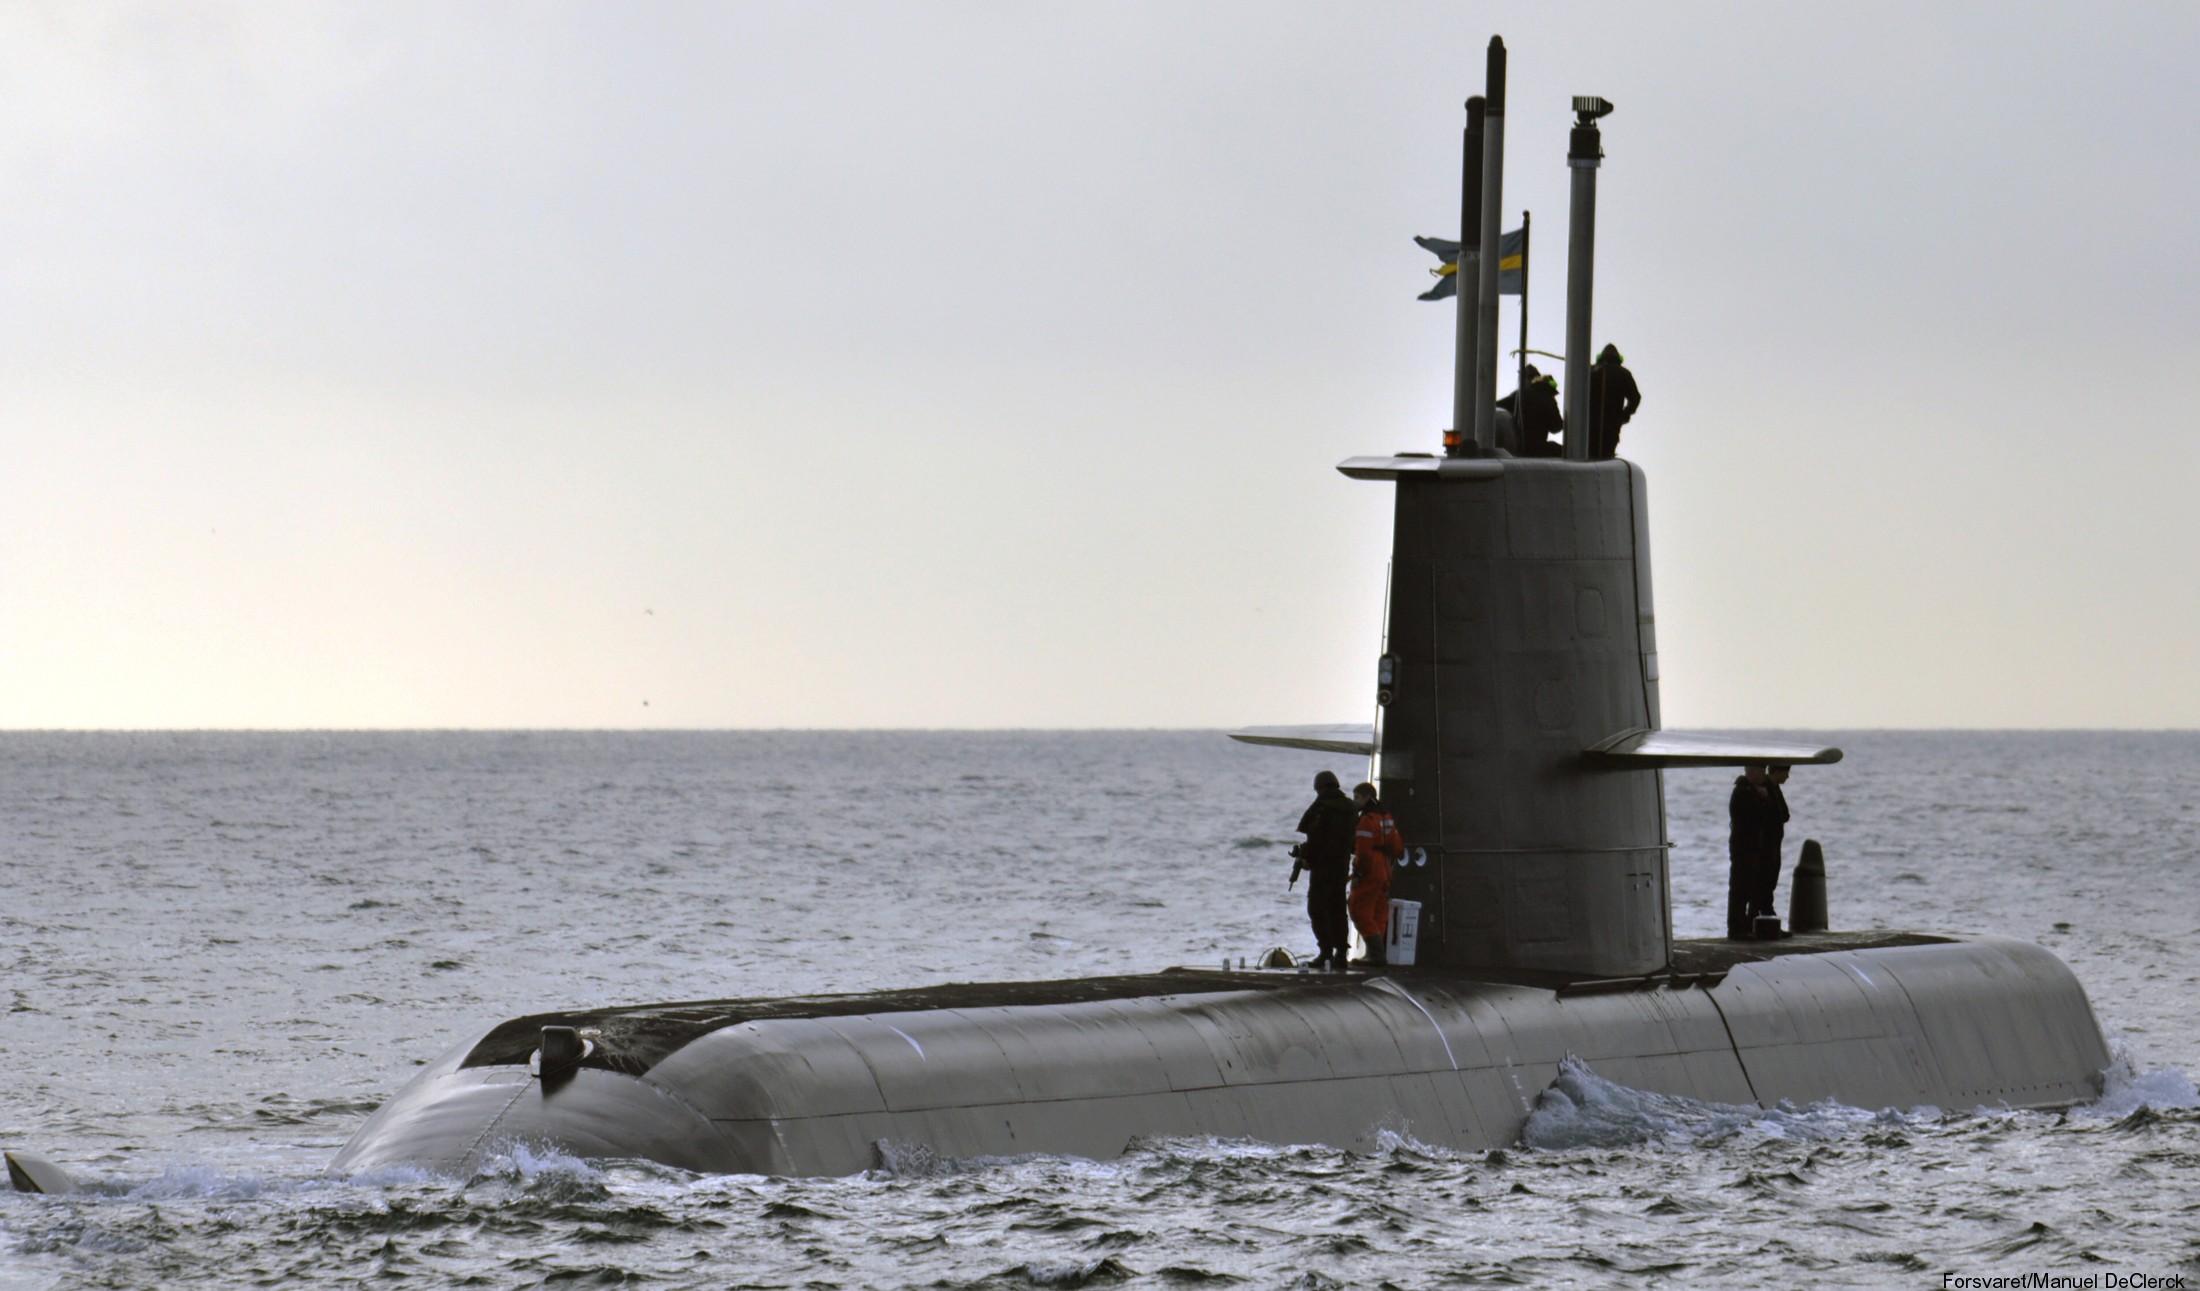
{"points": [[1520, 360]]}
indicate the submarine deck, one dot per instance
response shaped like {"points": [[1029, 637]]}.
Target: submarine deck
{"points": [[635, 1038]]}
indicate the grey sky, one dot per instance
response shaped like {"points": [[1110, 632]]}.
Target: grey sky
{"points": [[985, 365]]}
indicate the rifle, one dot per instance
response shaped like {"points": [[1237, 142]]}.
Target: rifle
{"points": [[1298, 865]]}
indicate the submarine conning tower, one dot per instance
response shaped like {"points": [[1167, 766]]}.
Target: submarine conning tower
{"points": [[1520, 637], [1519, 743]]}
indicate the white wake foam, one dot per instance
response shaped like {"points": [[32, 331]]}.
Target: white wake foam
{"points": [[542, 1171], [1584, 1110], [2127, 1089], [198, 1183]]}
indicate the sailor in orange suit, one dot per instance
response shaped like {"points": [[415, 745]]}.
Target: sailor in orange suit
{"points": [[1375, 844]]}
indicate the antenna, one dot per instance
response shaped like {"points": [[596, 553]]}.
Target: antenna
{"points": [[1493, 232], [1465, 391], [1585, 152]]}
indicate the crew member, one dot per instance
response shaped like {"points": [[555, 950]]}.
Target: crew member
{"points": [[1326, 854], [1375, 844], [1748, 809], [1768, 860], [1613, 399], [1534, 409]]}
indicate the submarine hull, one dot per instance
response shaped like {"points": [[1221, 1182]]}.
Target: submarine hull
{"points": [[824, 1086]]}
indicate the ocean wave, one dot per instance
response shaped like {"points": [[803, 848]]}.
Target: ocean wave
{"points": [[892, 1159], [205, 1181], [199, 1183], [1074, 1273]]}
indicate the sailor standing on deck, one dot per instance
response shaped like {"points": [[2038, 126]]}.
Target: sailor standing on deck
{"points": [[1325, 855], [1375, 844], [1748, 815], [1768, 860]]}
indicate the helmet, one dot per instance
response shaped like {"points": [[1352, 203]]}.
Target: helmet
{"points": [[1324, 780]]}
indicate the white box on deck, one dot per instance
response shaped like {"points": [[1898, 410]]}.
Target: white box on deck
{"points": [[1405, 932]]}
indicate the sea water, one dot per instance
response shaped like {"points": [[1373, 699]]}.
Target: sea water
{"points": [[223, 950]]}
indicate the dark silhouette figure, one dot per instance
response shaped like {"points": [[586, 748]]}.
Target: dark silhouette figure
{"points": [[1613, 398], [1768, 859], [1748, 815], [1327, 857], [1536, 417]]}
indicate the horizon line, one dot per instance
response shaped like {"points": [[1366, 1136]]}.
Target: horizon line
{"points": [[970, 730]]}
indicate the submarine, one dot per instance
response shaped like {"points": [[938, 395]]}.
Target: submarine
{"points": [[1519, 745]]}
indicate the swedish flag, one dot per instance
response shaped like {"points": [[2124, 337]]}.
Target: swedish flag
{"points": [[1512, 257]]}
